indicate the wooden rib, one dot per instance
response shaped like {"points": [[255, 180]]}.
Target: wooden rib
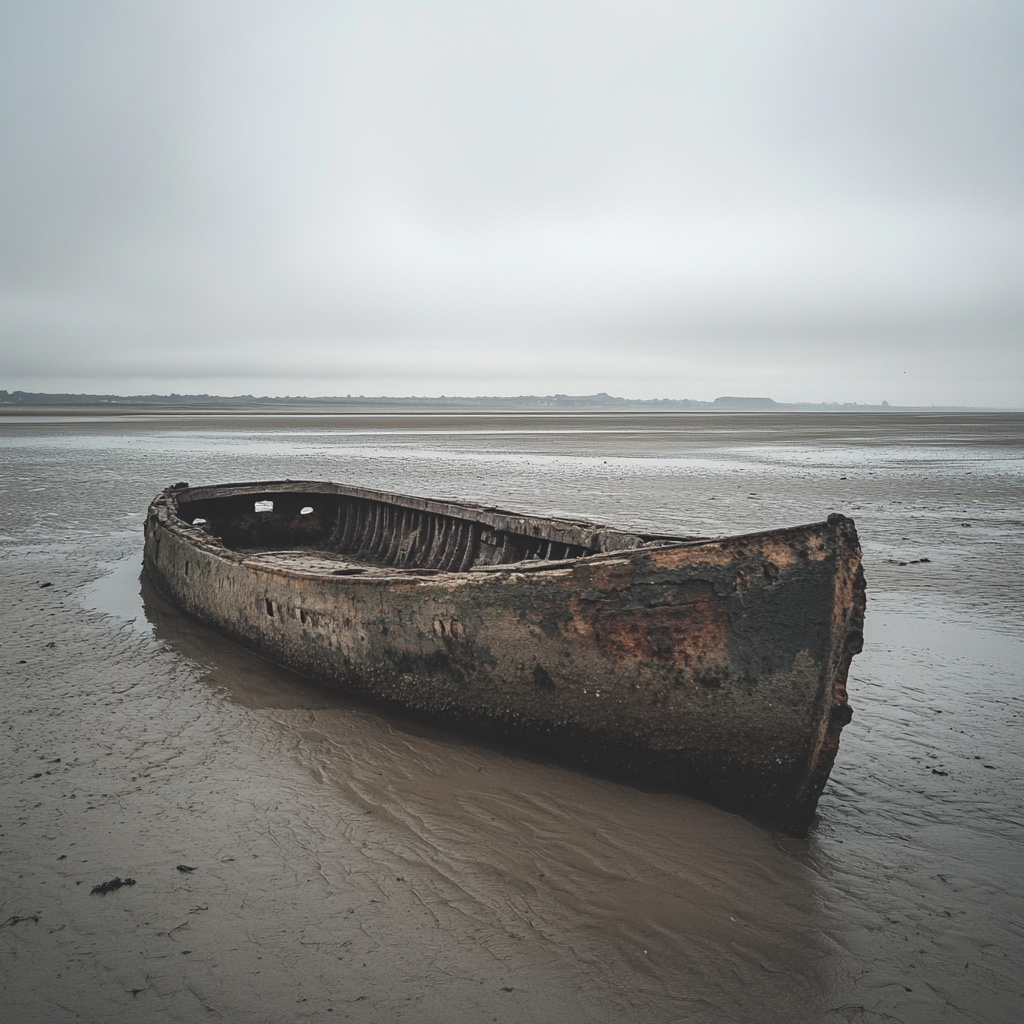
{"points": [[430, 542], [510, 549], [459, 547], [447, 542], [410, 538], [401, 530], [387, 537], [462, 543], [451, 548], [331, 536], [472, 546], [442, 530], [337, 537], [421, 547], [362, 526], [373, 541], [353, 521], [406, 537], [352, 512], [382, 531], [399, 525]]}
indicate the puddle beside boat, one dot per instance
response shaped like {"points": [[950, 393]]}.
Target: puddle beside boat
{"points": [[118, 593]]}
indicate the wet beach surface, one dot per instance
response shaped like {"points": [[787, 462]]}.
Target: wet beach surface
{"points": [[298, 856]]}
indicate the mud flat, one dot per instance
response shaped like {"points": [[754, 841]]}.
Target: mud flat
{"points": [[297, 856]]}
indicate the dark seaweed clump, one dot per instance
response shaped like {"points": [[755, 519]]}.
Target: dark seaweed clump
{"points": [[115, 883]]}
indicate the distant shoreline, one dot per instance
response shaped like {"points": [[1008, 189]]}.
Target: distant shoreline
{"points": [[24, 403]]}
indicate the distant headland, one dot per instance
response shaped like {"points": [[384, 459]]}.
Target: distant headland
{"points": [[25, 402]]}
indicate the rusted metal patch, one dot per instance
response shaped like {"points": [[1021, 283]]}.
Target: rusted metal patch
{"points": [[686, 627]]}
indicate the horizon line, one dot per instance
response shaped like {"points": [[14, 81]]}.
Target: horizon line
{"points": [[555, 402]]}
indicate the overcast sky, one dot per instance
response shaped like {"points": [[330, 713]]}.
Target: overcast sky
{"points": [[817, 201]]}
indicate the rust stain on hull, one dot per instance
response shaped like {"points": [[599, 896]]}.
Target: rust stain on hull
{"points": [[714, 667], [684, 626]]}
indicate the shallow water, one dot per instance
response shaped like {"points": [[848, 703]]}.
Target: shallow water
{"points": [[350, 863]]}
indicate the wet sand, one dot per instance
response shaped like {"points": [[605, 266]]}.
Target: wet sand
{"points": [[350, 864]]}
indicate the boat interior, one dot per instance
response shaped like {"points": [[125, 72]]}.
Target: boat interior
{"points": [[346, 533]]}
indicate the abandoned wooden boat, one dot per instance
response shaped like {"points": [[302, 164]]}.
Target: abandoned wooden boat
{"points": [[715, 667]]}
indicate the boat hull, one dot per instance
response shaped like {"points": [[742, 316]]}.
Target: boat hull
{"points": [[714, 668]]}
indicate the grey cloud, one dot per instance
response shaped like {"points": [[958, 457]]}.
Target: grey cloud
{"points": [[376, 189]]}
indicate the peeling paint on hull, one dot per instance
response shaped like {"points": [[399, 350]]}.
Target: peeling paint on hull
{"points": [[713, 667]]}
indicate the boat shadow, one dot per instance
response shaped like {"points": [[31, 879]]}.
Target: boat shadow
{"points": [[245, 678], [256, 683], [253, 682], [249, 680]]}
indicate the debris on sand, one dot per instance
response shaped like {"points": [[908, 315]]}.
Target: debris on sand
{"points": [[12, 921], [185, 869], [115, 883]]}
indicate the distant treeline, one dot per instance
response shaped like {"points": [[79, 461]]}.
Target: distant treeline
{"points": [[597, 402]]}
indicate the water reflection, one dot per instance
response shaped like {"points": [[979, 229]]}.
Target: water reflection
{"points": [[117, 593]]}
